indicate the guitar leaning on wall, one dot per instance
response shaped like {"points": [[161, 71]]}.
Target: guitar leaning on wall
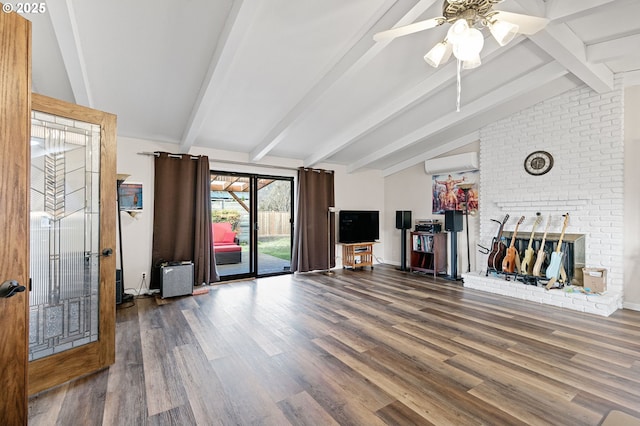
{"points": [[541, 253], [498, 249], [555, 268], [527, 263], [511, 259]]}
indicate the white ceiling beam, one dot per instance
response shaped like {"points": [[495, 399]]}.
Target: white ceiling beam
{"points": [[504, 93], [522, 101], [236, 27], [65, 26], [567, 49], [381, 20], [619, 48], [432, 153], [563, 45], [431, 84]]}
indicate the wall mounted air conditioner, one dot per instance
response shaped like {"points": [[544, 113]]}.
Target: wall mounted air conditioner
{"points": [[452, 163]]}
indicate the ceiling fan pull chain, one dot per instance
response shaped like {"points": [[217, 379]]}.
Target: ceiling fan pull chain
{"points": [[459, 86]]}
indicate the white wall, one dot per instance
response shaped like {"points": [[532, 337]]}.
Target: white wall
{"points": [[583, 130], [360, 191], [137, 232], [632, 198], [411, 189], [406, 190]]}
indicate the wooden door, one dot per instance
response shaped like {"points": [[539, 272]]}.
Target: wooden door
{"points": [[15, 108], [94, 262]]}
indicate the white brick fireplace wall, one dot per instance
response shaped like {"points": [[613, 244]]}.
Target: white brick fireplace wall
{"points": [[583, 130]]}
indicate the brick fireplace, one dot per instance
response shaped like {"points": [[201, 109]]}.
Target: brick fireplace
{"points": [[583, 130]]}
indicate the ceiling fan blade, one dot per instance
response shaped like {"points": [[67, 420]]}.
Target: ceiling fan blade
{"points": [[528, 24], [408, 29]]}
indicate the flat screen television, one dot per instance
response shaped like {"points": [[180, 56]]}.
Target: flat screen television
{"points": [[358, 226]]}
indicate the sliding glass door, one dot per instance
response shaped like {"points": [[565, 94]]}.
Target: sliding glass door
{"points": [[252, 224], [274, 225]]}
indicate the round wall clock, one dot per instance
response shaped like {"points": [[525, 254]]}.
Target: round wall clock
{"points": [[538, 163]]}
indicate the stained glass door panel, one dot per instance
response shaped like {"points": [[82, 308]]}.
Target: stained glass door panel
{"points": [[65, 161]]}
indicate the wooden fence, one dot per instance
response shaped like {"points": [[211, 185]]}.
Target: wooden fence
{"points": [[274, 223]]}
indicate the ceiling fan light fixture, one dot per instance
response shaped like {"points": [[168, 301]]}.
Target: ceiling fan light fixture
{"points": [[457, 31], [464, 38], [469, 46], [503, 31], [439, 54], [472, 63]]}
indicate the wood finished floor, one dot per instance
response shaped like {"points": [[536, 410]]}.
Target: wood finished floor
{"points": [[357, 348]]}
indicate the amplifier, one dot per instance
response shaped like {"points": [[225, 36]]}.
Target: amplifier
{"points": [[432, 228], [176, 280]]}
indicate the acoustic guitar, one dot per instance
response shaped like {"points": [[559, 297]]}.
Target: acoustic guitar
{"points": [[498, 249], [527, 263], [512, 259], [555, 267], [541, 253]]}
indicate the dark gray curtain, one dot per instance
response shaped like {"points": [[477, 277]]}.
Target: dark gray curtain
{"points": [[314, 232], [182, 215]]}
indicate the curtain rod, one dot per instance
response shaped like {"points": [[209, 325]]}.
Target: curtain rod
{"points": [[157, 154], [238, 163]]}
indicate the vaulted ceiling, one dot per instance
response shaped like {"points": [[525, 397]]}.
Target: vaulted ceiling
{"points": [[304, 79]]}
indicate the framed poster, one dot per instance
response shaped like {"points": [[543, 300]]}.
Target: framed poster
{"points": [[130, 195], [447, 195]]}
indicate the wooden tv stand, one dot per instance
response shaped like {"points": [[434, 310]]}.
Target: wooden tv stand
{"points": [[357, 255]]}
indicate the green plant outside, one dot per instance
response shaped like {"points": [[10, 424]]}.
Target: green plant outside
{"points": [[231, 216]]}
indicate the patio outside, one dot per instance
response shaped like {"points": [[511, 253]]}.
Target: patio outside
{"points": [[231, 204]]}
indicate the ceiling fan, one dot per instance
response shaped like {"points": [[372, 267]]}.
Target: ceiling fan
{"points": [[464, 38]]}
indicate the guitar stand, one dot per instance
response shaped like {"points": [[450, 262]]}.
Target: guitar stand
{"points": [[510, 276], [551, 284], [494, 271], [561, 281], [554, 284], [528, 279]]}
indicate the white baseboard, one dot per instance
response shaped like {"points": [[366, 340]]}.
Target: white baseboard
{"points": [[631, 306]]}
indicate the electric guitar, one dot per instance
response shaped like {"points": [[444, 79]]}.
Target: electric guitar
{"points": [[555, 268], [498, 248], [527, 263], [541, 253], [511, 259]]}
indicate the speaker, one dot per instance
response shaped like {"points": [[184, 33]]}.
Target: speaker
{"points": [[176, 280], [403, 219], [453, 220], [119, 289]]}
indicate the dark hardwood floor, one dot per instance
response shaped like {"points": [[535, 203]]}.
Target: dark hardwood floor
{"points": [[356, 348]]}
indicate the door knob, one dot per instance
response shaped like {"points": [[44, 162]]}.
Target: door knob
{"points": [[107, 252], [10, 288]]}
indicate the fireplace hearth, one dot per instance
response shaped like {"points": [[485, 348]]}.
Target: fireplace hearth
{"points": [[599, 304]]}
